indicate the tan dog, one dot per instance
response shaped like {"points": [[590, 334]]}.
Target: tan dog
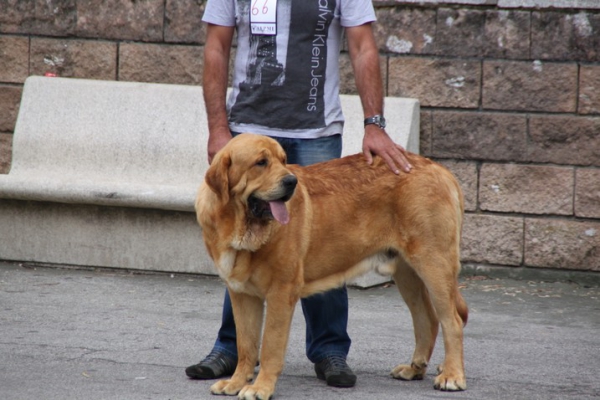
{"points": [[280, 232]]}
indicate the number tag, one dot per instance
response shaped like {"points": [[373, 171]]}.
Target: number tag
{"points": [[263, 17]]}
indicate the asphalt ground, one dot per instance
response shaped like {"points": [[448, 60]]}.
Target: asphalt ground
{"points": [[106, 334]]}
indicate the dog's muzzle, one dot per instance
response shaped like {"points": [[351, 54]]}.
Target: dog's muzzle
{"points": [[274, 208]]}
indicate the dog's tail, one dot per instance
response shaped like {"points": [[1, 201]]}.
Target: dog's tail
{"points": [[461, 307]]}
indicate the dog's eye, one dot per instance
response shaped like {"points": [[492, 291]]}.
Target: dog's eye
{"points": [[262, 162]]}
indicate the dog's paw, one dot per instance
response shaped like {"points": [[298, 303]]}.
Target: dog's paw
{"points": [[449, 382], [226, 387], [409, 372], [256, 392]]}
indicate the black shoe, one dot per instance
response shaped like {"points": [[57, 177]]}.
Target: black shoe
{"points": [[335, 371], [215, 365]]}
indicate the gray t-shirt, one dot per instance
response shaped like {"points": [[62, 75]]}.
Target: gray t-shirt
{"points": [[287, 84]]}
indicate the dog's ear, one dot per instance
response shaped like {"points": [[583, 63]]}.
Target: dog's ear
{"points": [[217, 177]]}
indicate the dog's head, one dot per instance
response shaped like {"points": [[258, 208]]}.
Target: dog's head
{"points": [[251, 169]]}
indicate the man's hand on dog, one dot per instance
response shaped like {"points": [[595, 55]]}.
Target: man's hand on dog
{"points": [[377, 141]]}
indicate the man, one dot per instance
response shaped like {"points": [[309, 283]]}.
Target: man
{"points": [[286, 86]]}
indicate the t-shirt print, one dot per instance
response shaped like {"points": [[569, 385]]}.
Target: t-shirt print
{"points": [[284, 83]]}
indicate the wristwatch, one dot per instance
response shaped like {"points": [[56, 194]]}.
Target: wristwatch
{"points": [[376, 120]]}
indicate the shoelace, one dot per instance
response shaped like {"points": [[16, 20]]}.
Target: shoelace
{"points": [[213, 356], [336, 362], [220, 361]]}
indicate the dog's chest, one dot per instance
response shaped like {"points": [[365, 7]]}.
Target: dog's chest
{"points": [[225, 264], [225, 268]]}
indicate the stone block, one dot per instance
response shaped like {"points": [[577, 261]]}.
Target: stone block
{"points": [[426, 131], [14, 59], [565, 36], [183, 21], [160, 63], [492, 239], [529, 86], [39, 17], [528, 189], [460, 32], [507, 34], [5, 152], [10, 98], [121, 20], [589, 89], [74, 58], [479, 135], [564, 244], [404, 30], [466, 173], [436, 82], [591, 4], [570, 140], [587, 193]]}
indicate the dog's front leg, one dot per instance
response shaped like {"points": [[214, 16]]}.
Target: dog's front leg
{"points": [[281, 302], [248, 316]]}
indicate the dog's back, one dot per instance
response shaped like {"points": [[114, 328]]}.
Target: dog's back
{"points": [[402, 215]]}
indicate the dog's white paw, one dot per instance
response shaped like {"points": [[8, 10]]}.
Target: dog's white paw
{"points": [[410, 372], [225, 387], [256, 392], [450, 382]]}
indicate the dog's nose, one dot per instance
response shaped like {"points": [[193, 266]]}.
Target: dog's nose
{"points": [[289, 182]]}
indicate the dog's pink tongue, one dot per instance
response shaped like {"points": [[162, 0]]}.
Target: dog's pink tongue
{"points": [[279, 212]]}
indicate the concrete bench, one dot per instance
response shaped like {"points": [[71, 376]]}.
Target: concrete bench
{"points": [[105, 173]]}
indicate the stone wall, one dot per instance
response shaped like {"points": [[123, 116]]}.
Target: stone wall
{"points": [[510, 96]]}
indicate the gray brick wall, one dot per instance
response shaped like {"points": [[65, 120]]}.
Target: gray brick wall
{"points": [[509, 90]]}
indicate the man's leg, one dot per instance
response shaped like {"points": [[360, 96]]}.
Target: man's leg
{"points": [[326, 315], [327, 340], [222, 360]]}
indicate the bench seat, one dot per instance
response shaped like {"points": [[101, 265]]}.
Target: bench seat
{"points": [[105, 173]]}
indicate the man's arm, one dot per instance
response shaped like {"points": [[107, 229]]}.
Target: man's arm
{"points": [[214, 84], [365, 62]]}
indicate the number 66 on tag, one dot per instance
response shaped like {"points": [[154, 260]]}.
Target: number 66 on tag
{"points": [[263, 17]]}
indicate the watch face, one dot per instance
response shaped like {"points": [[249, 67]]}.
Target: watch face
{"points": [[376, 120]]}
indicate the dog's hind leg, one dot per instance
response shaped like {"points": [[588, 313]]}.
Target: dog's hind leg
{"points": [[439, 274], [425, 322]]}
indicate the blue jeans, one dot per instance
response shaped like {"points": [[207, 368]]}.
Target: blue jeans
{"points": [[326, 314]]}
